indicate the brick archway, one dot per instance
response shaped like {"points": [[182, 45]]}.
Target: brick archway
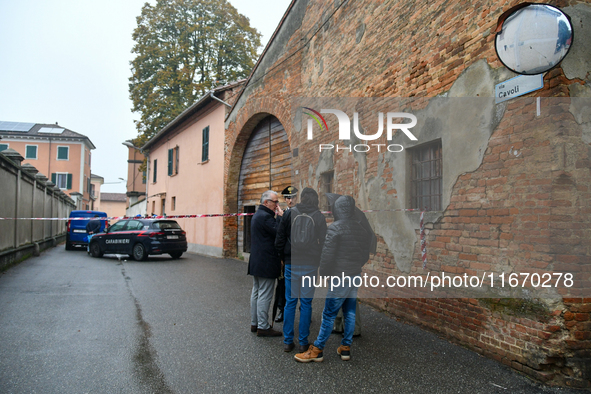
{"points": [[237, 136]]}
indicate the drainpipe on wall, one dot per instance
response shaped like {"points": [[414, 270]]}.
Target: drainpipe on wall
{"points": [[215, 98]]}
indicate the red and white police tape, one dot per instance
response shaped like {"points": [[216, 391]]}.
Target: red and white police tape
{"points": [[225, 215], [205, 215]]}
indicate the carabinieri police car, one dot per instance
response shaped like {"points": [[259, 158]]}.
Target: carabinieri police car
{"points": [[141, 237]]}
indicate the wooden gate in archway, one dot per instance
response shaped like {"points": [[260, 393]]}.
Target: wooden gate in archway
{"points": [[266, 165]]}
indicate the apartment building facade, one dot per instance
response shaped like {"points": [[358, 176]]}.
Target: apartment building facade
{"points": [[63, 155]]}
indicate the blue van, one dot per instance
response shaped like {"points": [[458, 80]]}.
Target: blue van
{"points": [[77, 228]]}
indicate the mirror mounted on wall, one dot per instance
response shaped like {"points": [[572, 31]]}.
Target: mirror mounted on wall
{"points": [[532, 38]]}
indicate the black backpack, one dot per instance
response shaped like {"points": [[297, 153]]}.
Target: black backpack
{"points": [[303, 235]]}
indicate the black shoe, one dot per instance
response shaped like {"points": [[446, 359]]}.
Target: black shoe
{"points": [[279, 317], [288, 347], [303, 348], [269, 332], [253, 328]]}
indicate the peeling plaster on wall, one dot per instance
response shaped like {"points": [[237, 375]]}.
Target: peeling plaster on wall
{"points": [[325, 163], [580, 107], [297, 120], [577, 63], [464, 121], [361, 160]]}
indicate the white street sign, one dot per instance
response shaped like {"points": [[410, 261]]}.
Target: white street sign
{"points": [[518, 86]]}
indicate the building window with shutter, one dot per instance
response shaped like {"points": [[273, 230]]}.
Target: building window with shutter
{"points": [[155, 171], [31, 152], [63, 152], [326, 186], [205, 145], [426, 176], [3, 147], [173, 161], [173, 204], [62, 180]]}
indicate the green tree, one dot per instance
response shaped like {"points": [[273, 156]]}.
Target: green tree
{"points": [[183, 49]]}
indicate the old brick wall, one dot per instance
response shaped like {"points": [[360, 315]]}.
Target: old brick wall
{"points": [[527, 212]]}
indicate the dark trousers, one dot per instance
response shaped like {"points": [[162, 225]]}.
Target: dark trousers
{"points": [[279, 296]]}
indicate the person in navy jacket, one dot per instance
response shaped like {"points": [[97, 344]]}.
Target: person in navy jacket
{"points": [[264, 263]]}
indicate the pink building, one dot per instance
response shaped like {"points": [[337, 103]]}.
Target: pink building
{"points": [[185, 171], [113, 204], [58, 153]]}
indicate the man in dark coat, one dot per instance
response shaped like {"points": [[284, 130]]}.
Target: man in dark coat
{"points": [[92, 227], [345, 251], [264, 263], [300, 262]]}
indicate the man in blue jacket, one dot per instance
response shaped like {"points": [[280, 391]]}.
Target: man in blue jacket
{"points": [[264, 263]]}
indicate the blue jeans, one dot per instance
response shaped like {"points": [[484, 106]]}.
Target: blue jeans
{"points": [[344, 296], [88, 244], [294, 291]]}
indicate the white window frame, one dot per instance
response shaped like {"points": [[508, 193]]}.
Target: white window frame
{"points": [[57, 181], [57, 154], [36, 152]]}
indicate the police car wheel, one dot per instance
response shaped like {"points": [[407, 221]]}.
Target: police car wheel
{"points": [[139, 252], [95, 250], [176, 255]]}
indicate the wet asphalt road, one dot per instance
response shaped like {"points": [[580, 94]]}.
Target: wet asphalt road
{"points": [[70, 323]]}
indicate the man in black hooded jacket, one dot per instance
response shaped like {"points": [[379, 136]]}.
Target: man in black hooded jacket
{"points": [[345, 251]]}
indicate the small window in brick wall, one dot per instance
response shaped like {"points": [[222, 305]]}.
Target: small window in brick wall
{"points": [[326, 186], [426, 176]]}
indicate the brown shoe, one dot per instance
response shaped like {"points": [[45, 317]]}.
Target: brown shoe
{"points": [[312, 354], [303, 348], [344, 352], [288, 347], [269, 332], [253, 328]]}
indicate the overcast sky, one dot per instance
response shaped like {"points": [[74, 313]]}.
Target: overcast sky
{"points": [[67, 61]]}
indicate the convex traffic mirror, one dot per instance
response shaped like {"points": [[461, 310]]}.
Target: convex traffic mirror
{"points": [[533, 38]]}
